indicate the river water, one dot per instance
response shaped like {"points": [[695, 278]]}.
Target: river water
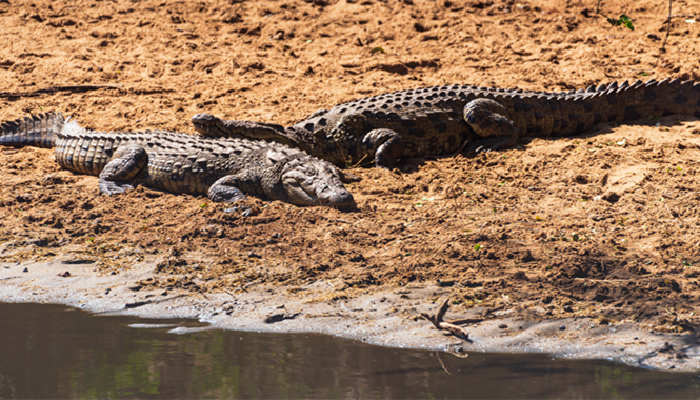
{"points": [[50, 351]]}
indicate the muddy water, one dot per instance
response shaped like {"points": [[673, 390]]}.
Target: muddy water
{"points": [[54, 351]]}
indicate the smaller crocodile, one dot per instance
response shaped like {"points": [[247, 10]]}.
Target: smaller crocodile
{"points": [[446, 120], [222, 169]]}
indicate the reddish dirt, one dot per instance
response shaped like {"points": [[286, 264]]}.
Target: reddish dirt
{"points": [[606, 225]]}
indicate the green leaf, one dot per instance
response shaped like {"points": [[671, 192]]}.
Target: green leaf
{"points": [[626, 21], [377, 50], [477, 247], [623, 20]]}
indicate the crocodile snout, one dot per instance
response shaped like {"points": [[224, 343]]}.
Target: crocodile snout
{"points": [[206, 124], [339, 198]]}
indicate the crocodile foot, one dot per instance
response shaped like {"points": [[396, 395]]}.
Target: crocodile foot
{"points": [[223, 191], [387, 144], [489, 118], [126, 163]]}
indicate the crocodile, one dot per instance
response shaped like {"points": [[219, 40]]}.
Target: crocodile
{"points": [[445, 120], [222, 169]]}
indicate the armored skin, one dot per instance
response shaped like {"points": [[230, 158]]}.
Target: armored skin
{"points": [[223, 169], [445, 120]]}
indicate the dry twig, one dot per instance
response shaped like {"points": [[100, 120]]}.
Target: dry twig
{"points": [[437, 320], [668, 24]]}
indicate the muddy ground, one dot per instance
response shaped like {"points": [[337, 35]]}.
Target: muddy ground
{"points": [[605, 226]]}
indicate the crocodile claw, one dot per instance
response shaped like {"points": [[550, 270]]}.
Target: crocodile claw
{"points": [[110, 188]]}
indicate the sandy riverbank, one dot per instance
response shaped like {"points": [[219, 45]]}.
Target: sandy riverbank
{"points": [[599, 233]]}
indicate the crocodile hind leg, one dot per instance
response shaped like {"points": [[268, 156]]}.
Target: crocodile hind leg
{"points": [[126, 164], [490, 121], [388, 146]]}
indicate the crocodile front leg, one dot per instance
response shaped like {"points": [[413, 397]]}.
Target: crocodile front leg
{"points": [[126, 164], [386, 144], [226, 189], [490, 121]]}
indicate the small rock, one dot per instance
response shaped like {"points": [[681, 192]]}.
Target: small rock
{"points": [[25, 269], [527, 257], [666, 348], [244, 211], [212, 230], [520, 276], [39, 242], [65, 275], [279, 35], [611, 197], [420, 27], [279, 317]]}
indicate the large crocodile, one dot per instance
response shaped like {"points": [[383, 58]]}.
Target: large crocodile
{"points": [[221, 169], [443, 120]]}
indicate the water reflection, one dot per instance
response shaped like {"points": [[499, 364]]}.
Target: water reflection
{"points": [[52, 351]]}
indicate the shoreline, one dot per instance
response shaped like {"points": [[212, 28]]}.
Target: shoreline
{"points": [[386, 318]]}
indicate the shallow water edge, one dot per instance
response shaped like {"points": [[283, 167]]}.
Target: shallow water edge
{"points": [[386, 318], [54, 351]]}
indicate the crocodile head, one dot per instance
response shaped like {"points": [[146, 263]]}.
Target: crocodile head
{"points": [[306, 180]]}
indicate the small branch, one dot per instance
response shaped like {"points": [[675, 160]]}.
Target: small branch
{"points": [[436, 319], [56, 89], [442, 364], [668, 25], [82, 89]]}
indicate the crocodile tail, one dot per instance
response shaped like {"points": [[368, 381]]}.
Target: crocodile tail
{"points": [[646, 100], [654, 99], [36, 130], [624, 102]]}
